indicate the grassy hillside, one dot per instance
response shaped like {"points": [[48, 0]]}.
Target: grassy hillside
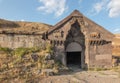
{"points": [[22, 27]]}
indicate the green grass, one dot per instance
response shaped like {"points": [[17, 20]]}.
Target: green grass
{"points": [[117, 69], [6, 50], [97, 69], [15, 64], [19, 51]]}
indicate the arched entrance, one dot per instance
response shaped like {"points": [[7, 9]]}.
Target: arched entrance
{"points": [[74, 54]]}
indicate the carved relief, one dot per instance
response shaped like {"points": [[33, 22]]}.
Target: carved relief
{"points": [[95, 35], [75, 34], [58, 34], [77, 18], [62, 34]]}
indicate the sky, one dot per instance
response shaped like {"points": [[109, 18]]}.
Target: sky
{"points": [[104, 12]]}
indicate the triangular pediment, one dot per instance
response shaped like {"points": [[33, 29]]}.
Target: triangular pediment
{"points": [[76, 15]]}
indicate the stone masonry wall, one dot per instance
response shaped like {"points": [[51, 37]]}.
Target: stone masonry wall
{"points": [[16, 41], [100, 56]]}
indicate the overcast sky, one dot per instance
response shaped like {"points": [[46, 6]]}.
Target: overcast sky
{"points": [[104, 12]]}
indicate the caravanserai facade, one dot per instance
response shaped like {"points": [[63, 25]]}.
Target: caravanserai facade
{"points": [[76, 40], [80, 41]]}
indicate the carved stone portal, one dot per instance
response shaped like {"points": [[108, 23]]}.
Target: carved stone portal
{"points": [[75, 46]]}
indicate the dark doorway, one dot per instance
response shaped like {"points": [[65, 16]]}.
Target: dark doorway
{"points": [[74, 58]]}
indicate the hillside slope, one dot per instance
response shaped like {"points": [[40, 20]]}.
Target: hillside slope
{"points": [[22, 27]]}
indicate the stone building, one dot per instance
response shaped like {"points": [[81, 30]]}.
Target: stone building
{"points": [[78, 40], [15, 34], [116, 50]]}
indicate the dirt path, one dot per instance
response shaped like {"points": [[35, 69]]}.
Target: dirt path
{"points": [[85, 77], [79, 76]]}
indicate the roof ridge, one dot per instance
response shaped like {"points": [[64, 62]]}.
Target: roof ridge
{"points": [[76, 13]]}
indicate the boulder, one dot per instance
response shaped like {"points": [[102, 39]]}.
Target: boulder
{"points": [[34, 57], [47, 72]]}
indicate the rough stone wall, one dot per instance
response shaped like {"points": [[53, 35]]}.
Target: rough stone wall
{"points": [[93, 55], [58, 41], [16, 41], [71, 34], [92, 34], [100, 56]]}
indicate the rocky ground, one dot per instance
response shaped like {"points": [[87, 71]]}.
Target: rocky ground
{"points": [[23, 66], [74, 75], [79, 76]]}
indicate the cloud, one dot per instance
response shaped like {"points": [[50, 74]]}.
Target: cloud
{"points": [[114, 8], [99, 6], [57, 7], [116, 30], [22, 20]]}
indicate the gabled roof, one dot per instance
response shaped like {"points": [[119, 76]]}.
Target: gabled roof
{"points": [[77, 14], [59, 24]]}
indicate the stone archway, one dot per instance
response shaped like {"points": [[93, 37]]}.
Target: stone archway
{"points": [[74, 54]]}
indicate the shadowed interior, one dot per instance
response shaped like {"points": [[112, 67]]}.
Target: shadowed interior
{"points": [[74, 58]]}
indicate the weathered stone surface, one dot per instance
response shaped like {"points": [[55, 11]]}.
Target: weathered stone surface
{"points": [[47, 72], [50, 62], [16, 41], [47, 56], [35, 57], [95, 42]]}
